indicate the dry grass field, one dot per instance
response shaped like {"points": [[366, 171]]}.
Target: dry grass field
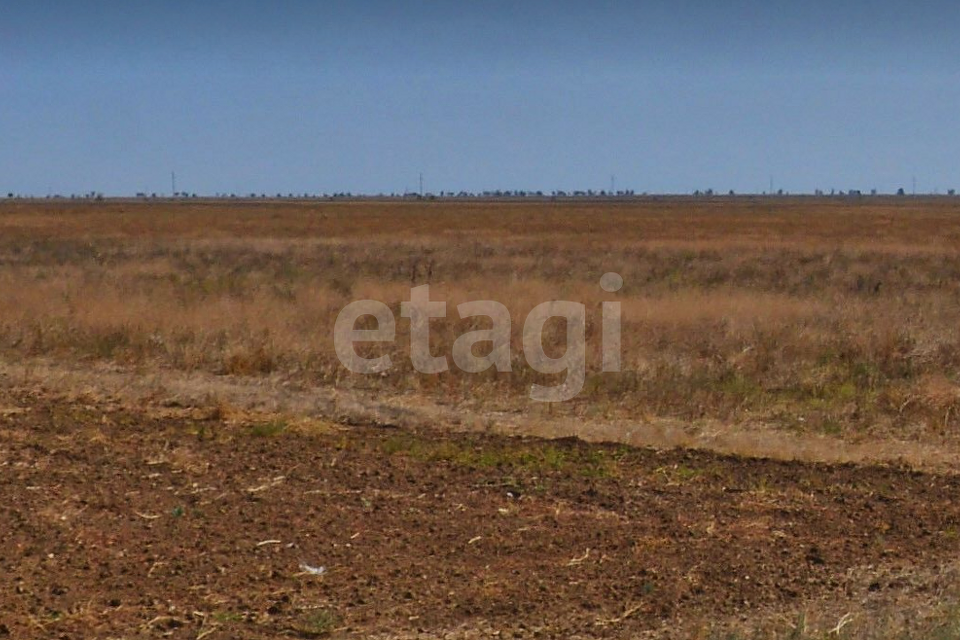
{"points": [[816, 330], [835, 317]]}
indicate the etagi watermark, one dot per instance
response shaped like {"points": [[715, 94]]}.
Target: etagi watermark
{"points": [[420, 310]]}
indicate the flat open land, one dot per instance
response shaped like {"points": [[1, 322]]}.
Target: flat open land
{"points": [[182, 455]]}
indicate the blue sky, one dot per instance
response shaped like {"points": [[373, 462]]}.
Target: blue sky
{"points": [[362, 96]]}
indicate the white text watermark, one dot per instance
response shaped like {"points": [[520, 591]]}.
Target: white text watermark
{"points": [[420, 309]]}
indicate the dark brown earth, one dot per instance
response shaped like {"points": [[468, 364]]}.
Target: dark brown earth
{"points": [[123, 523]]}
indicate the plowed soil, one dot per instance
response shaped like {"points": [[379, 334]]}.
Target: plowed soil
{"points": [[119, 522]]}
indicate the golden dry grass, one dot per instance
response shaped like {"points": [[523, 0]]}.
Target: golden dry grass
{"points": [[828, 315]]}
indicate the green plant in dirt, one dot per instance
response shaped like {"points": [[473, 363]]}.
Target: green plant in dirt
{"points": [[678, 473], [537, 458], [317, 623], [552, 457], [226, 617], [268, 429], [597, 463]]}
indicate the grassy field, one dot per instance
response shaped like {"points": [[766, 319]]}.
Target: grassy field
{"points": [[178, 439], [825, 316]]}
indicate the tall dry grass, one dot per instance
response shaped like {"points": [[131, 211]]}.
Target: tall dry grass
{"points": [[823, 315]]}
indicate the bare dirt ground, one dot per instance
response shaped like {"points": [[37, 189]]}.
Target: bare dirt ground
{"points": [[122, 523]]}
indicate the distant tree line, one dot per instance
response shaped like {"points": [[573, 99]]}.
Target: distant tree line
{"points": [[448, 195]]}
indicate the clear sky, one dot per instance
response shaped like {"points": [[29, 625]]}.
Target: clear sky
{"points": [[362, 95]]}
